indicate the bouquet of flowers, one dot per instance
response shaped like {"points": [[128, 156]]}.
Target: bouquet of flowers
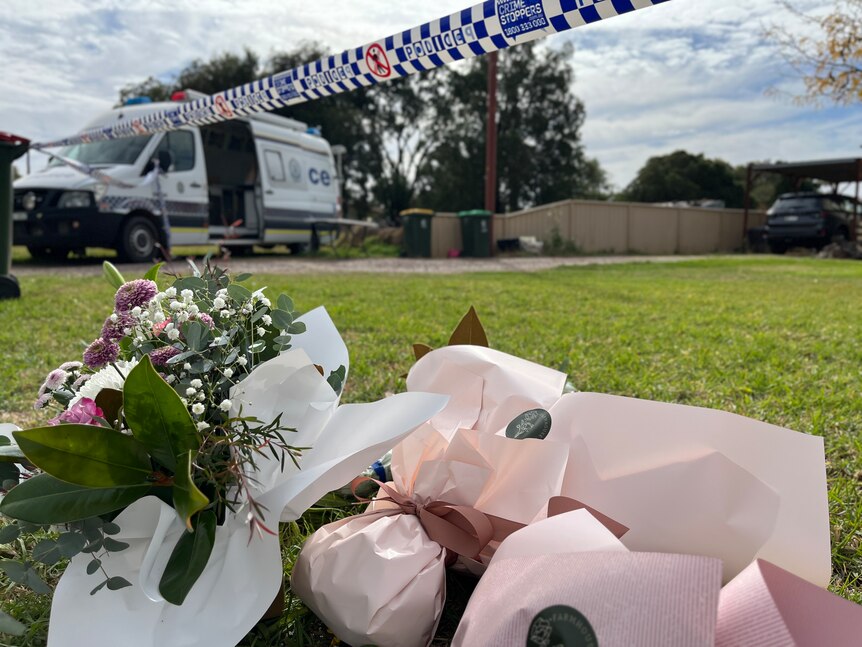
{"points": [[190, 427]]}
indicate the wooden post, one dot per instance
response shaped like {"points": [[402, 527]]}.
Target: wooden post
{"points": [[749, 176]]}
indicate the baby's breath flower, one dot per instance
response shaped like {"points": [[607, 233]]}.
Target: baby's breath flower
{"points": [[242, 361], [187, 367], [266, 302], [170, 379], [196, 383], [158, 317], [201, 396], [261, 331], [224, 314], [203, 425], [184, 401], [225, 405], [193, 310], [187, 295], [198, 408], [219, 303], [191, 392], [174, 334], [171, 292], [267, 320], [228, 372], [136, 311], [176, 306]]}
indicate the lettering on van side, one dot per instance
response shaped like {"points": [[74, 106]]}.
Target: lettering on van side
{"points": [[440, 43], [319, 177]]}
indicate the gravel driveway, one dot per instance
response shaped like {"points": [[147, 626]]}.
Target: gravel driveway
{"points": [[288, 265]]}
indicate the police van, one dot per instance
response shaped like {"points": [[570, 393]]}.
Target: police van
{"points": [[261, 180]]}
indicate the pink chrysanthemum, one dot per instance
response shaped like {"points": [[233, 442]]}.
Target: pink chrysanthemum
{"points": [[70, 366], [205, 319], [55, 379], [116, 330], [160, 356], [135, 293], [81, 381], [100, 353], [41, 401]]}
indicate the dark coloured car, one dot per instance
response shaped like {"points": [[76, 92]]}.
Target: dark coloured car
{"points": [[810, 220]]}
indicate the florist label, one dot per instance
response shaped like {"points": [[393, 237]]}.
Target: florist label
{"points": [[535, 423], [561, 626]]}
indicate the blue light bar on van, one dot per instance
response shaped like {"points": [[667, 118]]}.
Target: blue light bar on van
{"points": [[314, 131], [486, 27], [137, 101]]}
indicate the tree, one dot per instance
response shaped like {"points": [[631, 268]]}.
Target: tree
{"points": [[540, 155], [766, 187], [830, 64], [682, 176]]}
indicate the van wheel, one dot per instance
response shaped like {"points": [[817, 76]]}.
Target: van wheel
{"points": [[296, 248], [48, 253], [138, 241]]}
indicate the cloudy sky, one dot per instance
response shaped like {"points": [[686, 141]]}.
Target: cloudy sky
{"points": [[688, 74]]}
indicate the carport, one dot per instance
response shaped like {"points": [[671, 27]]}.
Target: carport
{"points": [[835, 172]]}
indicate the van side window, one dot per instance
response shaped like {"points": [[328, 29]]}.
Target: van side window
{"points": [[275, 166], [181, 145]]}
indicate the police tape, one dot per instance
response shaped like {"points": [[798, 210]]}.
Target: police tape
{"points": [[487, 27]]}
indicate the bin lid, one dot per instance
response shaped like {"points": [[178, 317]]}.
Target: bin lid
{"points": [[15, 140], [475, 213], [417, 212]]}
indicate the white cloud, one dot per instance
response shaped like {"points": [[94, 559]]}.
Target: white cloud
{"points": [[686, 74]]}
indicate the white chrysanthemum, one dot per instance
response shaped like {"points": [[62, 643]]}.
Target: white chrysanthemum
{"points": [[107, 378]]}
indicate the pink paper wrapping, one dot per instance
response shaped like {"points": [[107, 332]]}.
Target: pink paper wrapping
{"points": [[643, 599], [377, 578], [683, 479], [765, 606]]}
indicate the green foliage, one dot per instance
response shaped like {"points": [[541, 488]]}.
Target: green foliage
{"points": [[188, 559], [682, 176], [188, 499], [112, 275], [44, 499], [156, 415], [86, 455]]}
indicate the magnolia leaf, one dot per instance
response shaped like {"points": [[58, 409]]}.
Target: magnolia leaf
{"points": [[44, 499], [470, 331], [153, 273], [110, 401], [188, 559], [188, 499], [10, 626], [421, 350], [157, 417], [86, 455], [112, 275], [11, 454]]}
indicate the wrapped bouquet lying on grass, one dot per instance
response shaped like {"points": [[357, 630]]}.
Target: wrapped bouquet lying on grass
{"points": [[202, 416]]}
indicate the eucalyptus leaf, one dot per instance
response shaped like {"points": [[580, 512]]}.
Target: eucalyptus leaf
{"points": [[285, 303], [94, 546], [117, 583], [188, 559], [93, 565], [282, 319], [188, 499], [111, 528], [190, 283], [197, 335], [44, 499], [46, 552], [296, 328], [113, 546], [112, 275], [10, 626], [86, 455], [156, 415], [182, 357], [243, 277], [98, 587], [238, 293], [70, 544], [25, 575], [282, 340], [9, 533]]}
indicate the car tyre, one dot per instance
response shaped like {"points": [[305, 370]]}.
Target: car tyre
{"points": [[296, 248], [138, 240]]}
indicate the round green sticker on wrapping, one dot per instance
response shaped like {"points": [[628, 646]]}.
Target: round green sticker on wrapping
{"points": [[561, 626], [535, 423]]}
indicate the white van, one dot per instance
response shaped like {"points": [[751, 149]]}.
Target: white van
{"points": [[261, 180]]}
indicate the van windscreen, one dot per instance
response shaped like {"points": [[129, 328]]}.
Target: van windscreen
{"points": [[109, 152]]}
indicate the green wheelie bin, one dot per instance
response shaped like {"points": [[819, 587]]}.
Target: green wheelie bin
{"points": [[417, 232], [476, 232]]}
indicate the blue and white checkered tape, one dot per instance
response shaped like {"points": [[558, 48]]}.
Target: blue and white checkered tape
{"points": [[487, 27]]}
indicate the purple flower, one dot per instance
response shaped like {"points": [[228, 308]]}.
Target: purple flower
{"points": [[101, 352], [160, 356], [135, 293], [205, 319], [70, 366], [83, 412], [41, 401], [81, 381], [116, 330], [55, 379]]}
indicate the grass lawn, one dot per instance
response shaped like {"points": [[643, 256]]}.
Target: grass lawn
{"points": [[773, 339]]}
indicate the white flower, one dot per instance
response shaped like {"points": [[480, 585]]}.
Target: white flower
{"points": [[107, 378], [170, 379], [176, 306], [228, 372], [171, 292], [113, 317], [145, 315], [184, 401], [187, 295], [266, 319], [225, 405], [261, 331], [194, 310], [187, 367], [159, 317], [196, 383], [201, 396], [203, 425], [198, 408], [246, 310], [266, 302], [242, 361], [174, 334], [222, 293], [136, 311], [191, 392], [224, 314], [219, 303]]}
